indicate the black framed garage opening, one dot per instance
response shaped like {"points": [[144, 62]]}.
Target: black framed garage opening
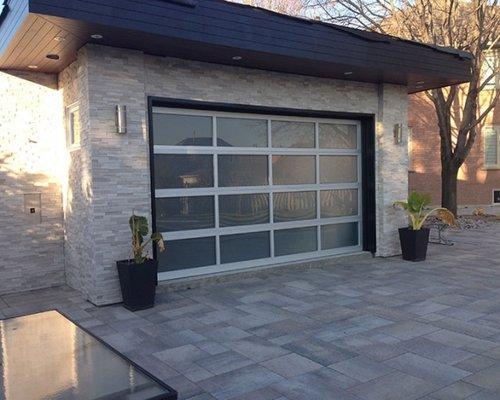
{"points": [[272, 215]]}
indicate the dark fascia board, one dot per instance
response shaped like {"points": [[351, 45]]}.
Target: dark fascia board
{"points": [[363, 34], [234, 28], [4, 9], [215, 22], [13, 15], [359, 33]]}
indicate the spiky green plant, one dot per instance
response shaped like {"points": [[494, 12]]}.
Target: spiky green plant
{"points": [[415, 207], [139, 227]]}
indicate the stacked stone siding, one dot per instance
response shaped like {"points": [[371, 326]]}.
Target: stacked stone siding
{"points": [[102, 181], [116, 167], [31, 165], [120, 163], [391, 168], [78, 194]]}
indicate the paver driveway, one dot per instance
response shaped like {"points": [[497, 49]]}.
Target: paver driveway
{"points": [[373, 329]]}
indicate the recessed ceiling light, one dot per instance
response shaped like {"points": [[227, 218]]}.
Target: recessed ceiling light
{"points": [[237, 58], [52, 56], [420, 82], [59, 39], [348, 73], [33, 66], [96, 36], [418, 87]]}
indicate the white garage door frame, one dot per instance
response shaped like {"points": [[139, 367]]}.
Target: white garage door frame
{"points": [[272, 226]]}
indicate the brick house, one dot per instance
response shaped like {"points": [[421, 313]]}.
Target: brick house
{"points": [[479, 177], [250, 139]]}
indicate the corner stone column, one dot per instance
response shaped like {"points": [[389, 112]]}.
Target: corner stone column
{"points": [[391, 167], [120, 162]]}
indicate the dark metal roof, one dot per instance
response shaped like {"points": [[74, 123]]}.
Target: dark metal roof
{"points": [[366, 35], [216, 31]]}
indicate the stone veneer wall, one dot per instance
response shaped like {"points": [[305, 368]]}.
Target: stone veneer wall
{"points": [[78, 194], [31, 163], [117, 166]]}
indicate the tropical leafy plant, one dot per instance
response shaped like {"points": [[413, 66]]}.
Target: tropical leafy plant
{"points": [[140, 230], [415, 207]]}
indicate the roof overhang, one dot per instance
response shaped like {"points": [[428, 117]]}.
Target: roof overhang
{"points": [[219, 32]]}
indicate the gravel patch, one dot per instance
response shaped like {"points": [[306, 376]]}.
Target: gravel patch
{"points": [[470, 222]]}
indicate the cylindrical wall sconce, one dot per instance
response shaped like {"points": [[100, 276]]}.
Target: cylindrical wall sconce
{"points": [[398, 133], [121, 119]]}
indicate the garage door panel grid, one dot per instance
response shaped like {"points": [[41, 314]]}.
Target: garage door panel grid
{"points": [[241, 190]]}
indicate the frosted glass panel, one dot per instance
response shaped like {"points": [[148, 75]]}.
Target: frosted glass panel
{"points": [[292, 134], [293, 241], [294, 170], [241, 132], [338, 169], [187, 253], [339, 203], [339, 235], [244, 247], [184, 213], [182, 130], [337, 136], [244, 209], [294, 206], [183, 171], [238, 170]]}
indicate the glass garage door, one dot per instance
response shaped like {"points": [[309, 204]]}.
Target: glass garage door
{"points": [[242, 190]]}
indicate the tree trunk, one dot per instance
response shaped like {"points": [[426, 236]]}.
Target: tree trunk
{"points": [[449, 179]]}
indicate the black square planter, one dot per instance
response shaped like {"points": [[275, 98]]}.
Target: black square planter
{"points": [[138, 283], [414, 243]]}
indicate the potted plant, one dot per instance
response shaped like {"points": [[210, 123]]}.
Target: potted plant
{"points": [[415, 238], [138, 275]]}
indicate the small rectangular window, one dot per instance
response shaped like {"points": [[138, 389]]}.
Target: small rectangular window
{"points": [[73, 126], [491, 146], [490, 65], [496, 196]]}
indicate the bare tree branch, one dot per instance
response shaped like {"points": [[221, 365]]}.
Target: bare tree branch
{"points": [[472, 26], [290, 7]]}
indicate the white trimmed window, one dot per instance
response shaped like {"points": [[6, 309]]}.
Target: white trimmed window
{"points": [[492, 146], [491, 64], [73, 126]]}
